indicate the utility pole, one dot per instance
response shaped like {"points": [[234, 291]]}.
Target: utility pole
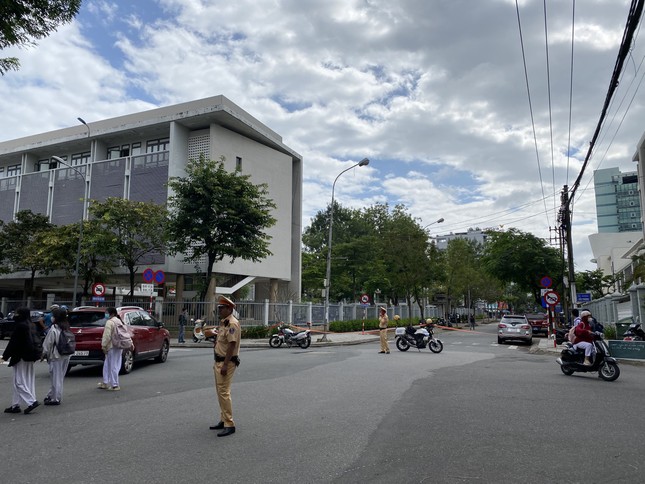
{"points": [[566, 240]]}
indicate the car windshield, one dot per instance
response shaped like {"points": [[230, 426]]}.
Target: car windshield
{"points": [[87, 319]]}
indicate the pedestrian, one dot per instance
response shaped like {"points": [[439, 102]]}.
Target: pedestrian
{"points": [[382, 330], [226, 351], [183, 320], [57, 363], [47, 318], [471, 319], [112, 362], [21, 352]]}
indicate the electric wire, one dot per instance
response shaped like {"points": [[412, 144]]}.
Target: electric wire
{"points": [[548, 84], [528, 92], [573, 29]]}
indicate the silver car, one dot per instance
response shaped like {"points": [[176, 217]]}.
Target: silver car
{"points": [[514, 327]]}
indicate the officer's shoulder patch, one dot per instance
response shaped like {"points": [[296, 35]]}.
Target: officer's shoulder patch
{"points": [[231, 331]]}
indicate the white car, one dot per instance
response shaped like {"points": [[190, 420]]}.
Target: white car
{"points": [[514, 327]]}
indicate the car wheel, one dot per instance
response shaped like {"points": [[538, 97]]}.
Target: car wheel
{"points": [[1, 335], [529, 342], [500, 341], [127, 362], [163, 354]]}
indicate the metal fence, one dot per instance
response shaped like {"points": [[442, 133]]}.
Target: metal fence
{"points": [[249, 313]]}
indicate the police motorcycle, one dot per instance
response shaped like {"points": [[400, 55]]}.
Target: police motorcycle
{"points": [[418, 338], [202, 332], [286, 335], [572, 360]]}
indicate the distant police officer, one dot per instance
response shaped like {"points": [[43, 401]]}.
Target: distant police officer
{"points": [[382, 326], [227, 348]]}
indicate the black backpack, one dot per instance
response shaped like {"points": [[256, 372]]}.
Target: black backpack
{"points": [[66, 344]]}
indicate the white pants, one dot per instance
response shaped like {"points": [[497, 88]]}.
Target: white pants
{"points": [[57, 370], [24, 383], [111, 367], [588, 347]]}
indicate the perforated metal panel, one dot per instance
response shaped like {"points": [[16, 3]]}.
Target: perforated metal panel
{"points": [[108, 178], [34, 188], [69, 190], [149, 174], [7, 197], [197, 145]]}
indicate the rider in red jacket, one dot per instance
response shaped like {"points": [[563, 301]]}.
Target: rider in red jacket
{"points": [[584, 336]]}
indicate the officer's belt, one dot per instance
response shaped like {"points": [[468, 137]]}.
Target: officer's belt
{"points": [[234, 359]]}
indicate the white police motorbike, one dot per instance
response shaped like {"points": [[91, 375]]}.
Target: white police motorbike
{"points": [[418, 338], [287, 336]]}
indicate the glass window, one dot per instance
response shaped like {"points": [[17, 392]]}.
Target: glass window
{"points": [[13, 170], [156, 145], [113, 152], [1, 172], [80, 158], [136, 149], [136, 319], [148, 320], [238, 163]]}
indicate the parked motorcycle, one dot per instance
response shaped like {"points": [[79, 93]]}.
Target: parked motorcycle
{"points": [[634, 333], [571, 360], [418, 338], [286, 335], [202, 332]]}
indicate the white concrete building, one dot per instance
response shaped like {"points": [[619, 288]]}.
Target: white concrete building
{"points": [[132, 157]]}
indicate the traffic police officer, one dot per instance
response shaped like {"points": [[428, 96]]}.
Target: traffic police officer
{"points": [[226, 348], [382, 326]]}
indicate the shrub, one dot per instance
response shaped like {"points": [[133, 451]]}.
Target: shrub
{"points": [[610, 331], [255, 332], [357, 325]]}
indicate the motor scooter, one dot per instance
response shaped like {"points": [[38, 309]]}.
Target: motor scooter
{"points": [[634, 333], [202, 332], [572, 360]]}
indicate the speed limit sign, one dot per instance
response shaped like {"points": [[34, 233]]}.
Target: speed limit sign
{"points": [[98, 289], [365, 299]]}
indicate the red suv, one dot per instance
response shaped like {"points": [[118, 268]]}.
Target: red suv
{"points": [[150, 338]]}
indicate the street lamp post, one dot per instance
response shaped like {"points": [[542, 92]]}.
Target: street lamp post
{"points": [[327, 284], [80, 231], [86, 125], [432, 223]]}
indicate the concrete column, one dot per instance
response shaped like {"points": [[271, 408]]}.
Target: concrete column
{"points": [[266, 312], [290, 315], [179, 288], [273, 290], [4, 304], [310, 312]]}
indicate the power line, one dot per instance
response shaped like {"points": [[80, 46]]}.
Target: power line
{"points": [[573, 29], [548, 83]]}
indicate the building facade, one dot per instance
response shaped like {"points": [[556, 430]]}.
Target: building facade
{"points": [[474, 235], [133, 157], [618, 206]]}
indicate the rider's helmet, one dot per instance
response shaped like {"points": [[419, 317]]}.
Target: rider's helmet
{"points": [[428, 321], [396, 317]]}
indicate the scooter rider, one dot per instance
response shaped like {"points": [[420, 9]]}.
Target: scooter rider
{"points": [[584, 336]]}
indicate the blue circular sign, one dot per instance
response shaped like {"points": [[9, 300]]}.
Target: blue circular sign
{"points": [[160, 277], [546, 281], [148, 275]]}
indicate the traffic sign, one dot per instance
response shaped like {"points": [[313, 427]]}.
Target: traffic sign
{"points": [[551, 298], [98, 289], [160, 277], [365, 299], [148, 275], [583, 297], [546, 281]]}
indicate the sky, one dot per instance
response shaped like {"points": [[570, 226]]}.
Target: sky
{"points": [[433, 92]]}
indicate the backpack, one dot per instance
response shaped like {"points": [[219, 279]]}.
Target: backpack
{"points": [[121, 337], [66, 344], [35, 342]]}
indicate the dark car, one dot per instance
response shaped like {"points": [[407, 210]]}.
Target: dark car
{"points": [[150, 338], [8, 325]]}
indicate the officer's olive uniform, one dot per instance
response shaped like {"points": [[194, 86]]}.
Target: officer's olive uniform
{"points": [[382, 324], [228, 331]]}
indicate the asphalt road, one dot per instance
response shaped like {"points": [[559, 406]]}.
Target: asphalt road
{"points": [[477, 412]]}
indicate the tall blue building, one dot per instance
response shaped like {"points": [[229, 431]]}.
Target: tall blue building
{"points": [[618, 206]]}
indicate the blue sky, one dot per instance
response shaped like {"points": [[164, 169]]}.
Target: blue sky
{"points": [[433, 92]]}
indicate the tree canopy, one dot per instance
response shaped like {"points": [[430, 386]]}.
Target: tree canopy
{"points": [[24, 21], [215, 214]]}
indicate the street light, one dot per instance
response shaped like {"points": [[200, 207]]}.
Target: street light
{"points": [[80, 232], [363, 162], [435, 222], [86, 125]]}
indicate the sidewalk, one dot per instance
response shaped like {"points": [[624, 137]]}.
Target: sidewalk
{"points": [[333, 339]]}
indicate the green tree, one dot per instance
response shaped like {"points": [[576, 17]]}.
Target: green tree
{"points": [[218, 214], [22, 21], [517, 257], [21, 242], [599, 284], [134, 230]]}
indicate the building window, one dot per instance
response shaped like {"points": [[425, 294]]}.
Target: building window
{"points": [[238, 163], [156, 145], [2, 172], [113, 153], [136, 149], [13, 170], [80, 158]]}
